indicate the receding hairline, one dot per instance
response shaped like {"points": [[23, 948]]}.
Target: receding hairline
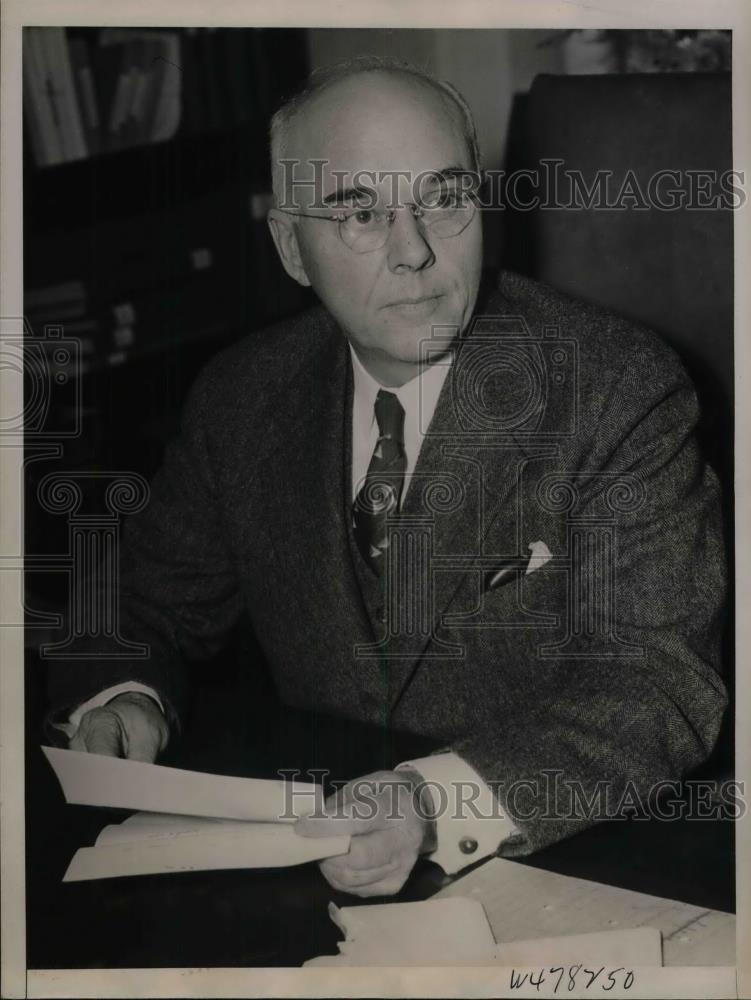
{"points": [[323, 80]]}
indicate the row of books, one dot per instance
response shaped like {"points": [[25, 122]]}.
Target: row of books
{"points": [[88, 91], [96, 92]]}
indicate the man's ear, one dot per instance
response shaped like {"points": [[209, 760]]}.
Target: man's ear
{"points": [[284, 234]]}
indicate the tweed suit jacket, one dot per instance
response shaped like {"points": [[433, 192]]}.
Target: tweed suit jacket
{"points": [[558, 423]]}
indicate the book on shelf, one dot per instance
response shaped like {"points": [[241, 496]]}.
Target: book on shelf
{"points": [[86, 89], [84, 95], [164, 119], [43, 127], [62, 93], [145, 102]]}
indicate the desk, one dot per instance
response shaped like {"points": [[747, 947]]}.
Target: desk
{"points": [[279, 917]]}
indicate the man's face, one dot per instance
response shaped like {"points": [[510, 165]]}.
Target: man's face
{"points": [[388, 300]]}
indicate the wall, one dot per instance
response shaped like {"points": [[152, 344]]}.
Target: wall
{"points": [[488, 66]]}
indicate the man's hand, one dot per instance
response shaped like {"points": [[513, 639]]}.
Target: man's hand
{"points": [[131, 725], [388, 833]]}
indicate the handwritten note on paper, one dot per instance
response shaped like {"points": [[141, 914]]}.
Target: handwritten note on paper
{"points": [[149, 844], [95, 780]]}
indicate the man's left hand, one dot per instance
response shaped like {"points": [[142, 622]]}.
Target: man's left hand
{"points": [[388, 833]]}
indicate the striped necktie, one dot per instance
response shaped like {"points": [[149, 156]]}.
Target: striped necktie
{"points": [[381, 491]]}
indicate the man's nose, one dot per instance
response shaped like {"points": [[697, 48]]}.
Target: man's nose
{"points": [[407, 247]]}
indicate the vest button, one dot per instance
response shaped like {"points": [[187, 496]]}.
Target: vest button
{"points": [[468, 845], [381, 614]]}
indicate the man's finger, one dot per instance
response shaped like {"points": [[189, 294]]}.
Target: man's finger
{"points": [[372, 850], [389, 885], [100, 731], [386, 887], [346, 876], [145, 751]]}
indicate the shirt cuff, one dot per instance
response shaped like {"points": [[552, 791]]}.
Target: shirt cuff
{"points": [[470, 821], [70, 728]]}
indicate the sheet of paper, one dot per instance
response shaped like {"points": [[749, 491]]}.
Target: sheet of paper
{"points": [[525, 903], [433, 931], [95, 780], [614, 949], [173, 848], [626, 948], [158, 826]]}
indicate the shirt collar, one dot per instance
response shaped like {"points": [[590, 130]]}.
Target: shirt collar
{"points": [[418, 397]]}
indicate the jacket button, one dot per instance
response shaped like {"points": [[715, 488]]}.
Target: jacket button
{"points": [[381, 614], [468, 845]]}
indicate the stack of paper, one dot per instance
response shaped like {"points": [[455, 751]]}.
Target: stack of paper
{"points": [[189, 820], [452, 932], [152, 843]]}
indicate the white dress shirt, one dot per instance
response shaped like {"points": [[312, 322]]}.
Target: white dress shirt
{"points": [[465, 834], [418, 397]]}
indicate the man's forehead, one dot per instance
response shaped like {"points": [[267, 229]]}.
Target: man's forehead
{"points": [[379, 123]]}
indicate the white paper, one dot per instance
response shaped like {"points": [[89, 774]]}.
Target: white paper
{"points": [[158, 826], [412, 933], [435, 932], [524, 903], [197, 845], [96, 780], [641, 946]]}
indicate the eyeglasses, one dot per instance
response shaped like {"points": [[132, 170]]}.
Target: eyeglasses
{"points": [[445, 212]]}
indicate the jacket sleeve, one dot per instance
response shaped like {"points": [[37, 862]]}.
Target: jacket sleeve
{"points": [[176, 589], [589, 733]]}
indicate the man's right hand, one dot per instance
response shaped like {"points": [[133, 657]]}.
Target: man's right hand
{"points": [[131, 725]]}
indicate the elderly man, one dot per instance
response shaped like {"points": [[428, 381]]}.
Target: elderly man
{"points": [[482, 520]]}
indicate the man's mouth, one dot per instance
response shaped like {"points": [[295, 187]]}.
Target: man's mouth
{"points": [[414, 300], [417, 306]]}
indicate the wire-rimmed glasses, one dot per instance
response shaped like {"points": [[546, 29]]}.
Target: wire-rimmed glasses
{"points": [[445, 211]]}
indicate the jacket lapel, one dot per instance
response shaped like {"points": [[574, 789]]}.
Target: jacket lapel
{"points": [[311, 456], [465, 481]]}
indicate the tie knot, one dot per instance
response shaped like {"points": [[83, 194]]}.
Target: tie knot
{"points": [[389, 415]]}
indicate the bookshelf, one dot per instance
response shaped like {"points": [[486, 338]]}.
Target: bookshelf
{"points": [[144, 224], [157, 212]]}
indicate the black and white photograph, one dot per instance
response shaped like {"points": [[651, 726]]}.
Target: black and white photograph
{"points": [[370, 574]]}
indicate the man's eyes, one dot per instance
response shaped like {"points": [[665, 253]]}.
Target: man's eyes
{"points": [[361, 215], [354, 204], [443, 196], [435, 199]]}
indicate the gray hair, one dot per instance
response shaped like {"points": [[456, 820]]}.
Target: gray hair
{"points": [[322, 78]]}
